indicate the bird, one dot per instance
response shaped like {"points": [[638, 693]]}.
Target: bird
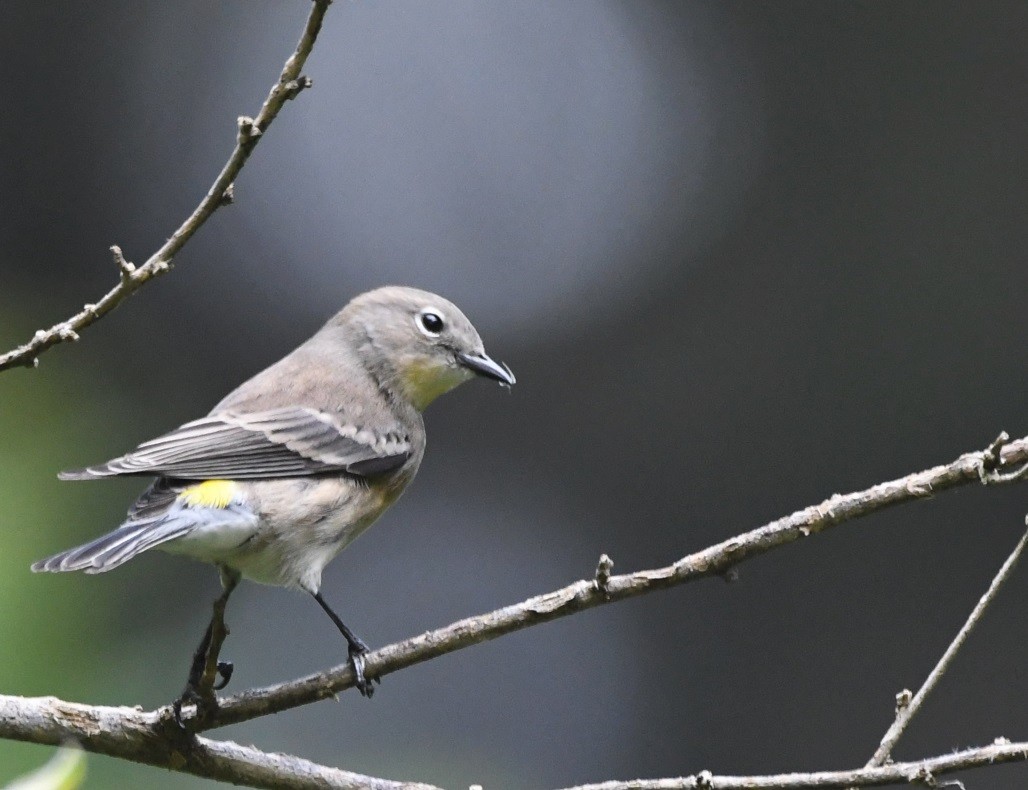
{"points": [[295, 463]]}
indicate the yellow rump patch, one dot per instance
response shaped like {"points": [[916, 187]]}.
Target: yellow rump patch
{"points": [[210, 493]]}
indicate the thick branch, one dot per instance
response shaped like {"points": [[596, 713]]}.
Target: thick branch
{"points": [[141, 737], [132, 278], [921, 773], [985, 466]]}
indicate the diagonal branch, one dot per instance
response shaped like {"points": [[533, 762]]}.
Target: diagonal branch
{"points": [[906, 706], [132, 278], [986, 466]]}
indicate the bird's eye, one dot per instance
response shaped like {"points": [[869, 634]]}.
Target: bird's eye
{"points": [[430, 323]]}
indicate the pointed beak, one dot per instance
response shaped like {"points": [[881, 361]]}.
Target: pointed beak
{"points": [[484, 366]]}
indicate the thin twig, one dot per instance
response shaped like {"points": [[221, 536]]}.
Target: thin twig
{"points": [[921, 772], [132, 278], [907, 707], [713, 561]]}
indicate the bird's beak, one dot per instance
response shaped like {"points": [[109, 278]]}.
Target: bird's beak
{"points": [[484, 366]]}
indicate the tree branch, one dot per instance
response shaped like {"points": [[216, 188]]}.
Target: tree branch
{"points": [[154, 737], [142, 737], [134, 735], [986, 466], [132, 278], [907, 706], [921, 772]]}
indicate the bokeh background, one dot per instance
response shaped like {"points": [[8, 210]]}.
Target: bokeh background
{"points": [[740, 255]]}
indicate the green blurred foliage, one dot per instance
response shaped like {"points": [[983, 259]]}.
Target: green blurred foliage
{"points": [[37, 426], [65, 771], [63, 634]]}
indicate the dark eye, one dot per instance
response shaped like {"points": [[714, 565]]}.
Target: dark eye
{"points": [[431, 323]]}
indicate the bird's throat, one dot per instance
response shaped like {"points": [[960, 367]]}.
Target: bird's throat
{"points": [[422, 382]]}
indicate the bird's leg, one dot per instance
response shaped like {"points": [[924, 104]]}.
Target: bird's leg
{"points": [[205, 668], [200, 659], [357, 649], [213, 668]]}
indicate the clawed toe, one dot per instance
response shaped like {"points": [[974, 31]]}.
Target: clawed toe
{"points": [[203, 698], [225, 669], [191, 696], [358, 649], [361, 681]]}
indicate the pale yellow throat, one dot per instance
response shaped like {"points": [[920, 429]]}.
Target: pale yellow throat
{"points": [[423, 381]]}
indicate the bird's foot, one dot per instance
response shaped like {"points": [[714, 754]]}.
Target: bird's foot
{"points": [[225, 669], [358, 650], [202, 696], [363, 684], [205, 704]]}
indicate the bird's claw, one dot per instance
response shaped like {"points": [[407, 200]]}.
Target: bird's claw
{"points": [[191, 696], [361, 681], [225, 669], [206, 701], [176, 709], [356, 647]]}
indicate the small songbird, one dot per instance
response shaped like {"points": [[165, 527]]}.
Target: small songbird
{"points": [[294, 464]]}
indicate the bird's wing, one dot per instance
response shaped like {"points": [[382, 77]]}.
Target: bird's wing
{"points": [[288, 442]]}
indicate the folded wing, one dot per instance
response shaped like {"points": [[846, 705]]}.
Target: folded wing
{"points": [[287, 442]]}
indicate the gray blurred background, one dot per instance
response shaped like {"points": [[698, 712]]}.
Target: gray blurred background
{"points": [[740, 255]]}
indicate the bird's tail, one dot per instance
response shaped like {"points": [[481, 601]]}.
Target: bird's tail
{"points": [[114, 548]]}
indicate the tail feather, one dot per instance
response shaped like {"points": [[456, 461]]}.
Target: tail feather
{"points": [[121, 553], [113, 549], [87, 473], [84, 554]]}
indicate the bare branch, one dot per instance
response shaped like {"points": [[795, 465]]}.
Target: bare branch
{"points": [[921, 772], [983, 466], [132, 278], [141, 737], [907, 706], [154, 737]]}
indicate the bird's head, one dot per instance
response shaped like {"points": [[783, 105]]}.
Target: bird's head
{"points": [[418, 344]]}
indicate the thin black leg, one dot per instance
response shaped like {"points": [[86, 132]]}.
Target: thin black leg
{"points": [[356, 646]]}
